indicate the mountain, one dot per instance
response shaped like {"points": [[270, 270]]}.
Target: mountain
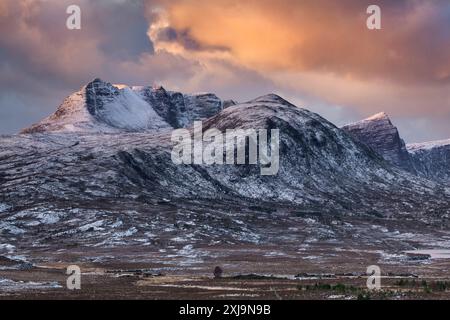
{"points": [[432, 159], [322, 169], [100, 107], [378, 133], [96, 181]]}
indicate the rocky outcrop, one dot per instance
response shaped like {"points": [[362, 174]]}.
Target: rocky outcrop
{"points": [[378, 133], [178, 109]]}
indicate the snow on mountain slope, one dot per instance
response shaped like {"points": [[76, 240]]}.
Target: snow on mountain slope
{"points": [[322, 169], [79, 190], [121, 108], [320, 166], [378, 133], [100, 107], [432, 159]]}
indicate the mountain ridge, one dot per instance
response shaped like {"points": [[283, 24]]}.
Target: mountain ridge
{"points": [[322, 168], [101, 107]]}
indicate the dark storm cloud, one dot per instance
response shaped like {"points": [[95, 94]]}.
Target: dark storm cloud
{"points": [[184, 38]]}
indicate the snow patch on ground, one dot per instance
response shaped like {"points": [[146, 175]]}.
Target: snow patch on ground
{"points": [[11, 285], [10, 228], [6, 247]]}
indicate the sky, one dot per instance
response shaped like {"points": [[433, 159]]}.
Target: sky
{"points": [[318, 54]]}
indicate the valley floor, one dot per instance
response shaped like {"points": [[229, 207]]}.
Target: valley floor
{"points": [[250, 272], [169, 252]]}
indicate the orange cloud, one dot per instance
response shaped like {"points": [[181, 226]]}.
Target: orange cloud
{"points": [[316, 53], [322, 35], [320, 54]]}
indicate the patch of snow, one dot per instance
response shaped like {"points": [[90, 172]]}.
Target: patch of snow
{"points": [[131, 112], [11, 285], [11, 228], [96, 226], [7, 247], [48, 218]]}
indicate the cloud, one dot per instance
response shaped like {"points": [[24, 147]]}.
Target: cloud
{"points": [[319, 54], [34, 38], [322, 35]]}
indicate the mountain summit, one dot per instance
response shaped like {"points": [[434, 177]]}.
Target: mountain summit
{"points": [[378, 133], [101, 107]]}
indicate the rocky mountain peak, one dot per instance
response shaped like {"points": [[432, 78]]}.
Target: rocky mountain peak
{"points": [[382, 116], [270, 98], [100, 106], [378, 133]]}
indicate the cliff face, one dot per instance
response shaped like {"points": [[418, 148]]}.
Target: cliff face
{"points": [[432, 159], [378, 133]]}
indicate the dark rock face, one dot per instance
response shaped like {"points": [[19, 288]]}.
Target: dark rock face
{"points": [[98, 93], [378, 133], [181, 110], [432, 159], [198, 107], [163, 104]]}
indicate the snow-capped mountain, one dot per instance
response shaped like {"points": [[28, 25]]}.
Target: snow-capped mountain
{"points": [[378, 133], [321, 166], [428, 159], [322, 169], [65, 184], [100, 107], [432, 159]]}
